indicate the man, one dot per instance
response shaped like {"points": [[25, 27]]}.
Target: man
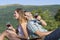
{"points": [[36, 30]]}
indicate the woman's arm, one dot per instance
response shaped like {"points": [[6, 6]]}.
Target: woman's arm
{"points": [[11, 28], [24, 30]]}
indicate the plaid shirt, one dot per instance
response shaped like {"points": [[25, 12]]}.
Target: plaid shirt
{"points": [[33, 26]]}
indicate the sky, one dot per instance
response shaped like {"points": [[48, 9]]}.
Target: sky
{"points": [[30, 2]]}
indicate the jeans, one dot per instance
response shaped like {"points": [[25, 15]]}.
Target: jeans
{"points": [[55, 35]]}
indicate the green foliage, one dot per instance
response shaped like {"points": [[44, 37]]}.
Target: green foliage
{"points": [[46, 15], [6, 14], [57, 16]]}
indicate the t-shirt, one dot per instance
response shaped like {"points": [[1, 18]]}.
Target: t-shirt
{"points": [[20, 31]]}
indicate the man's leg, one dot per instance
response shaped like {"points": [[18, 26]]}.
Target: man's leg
{"points": [[55, 35]]}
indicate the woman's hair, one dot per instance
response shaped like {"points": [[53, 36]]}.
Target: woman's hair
{"points": [[21, 13], [19, 10]]}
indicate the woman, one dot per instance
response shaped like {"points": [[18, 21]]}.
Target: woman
{"points": [[19, 15], [11, 33]]}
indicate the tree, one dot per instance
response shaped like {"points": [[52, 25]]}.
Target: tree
{"points": [[46, 15], [57, 16]]}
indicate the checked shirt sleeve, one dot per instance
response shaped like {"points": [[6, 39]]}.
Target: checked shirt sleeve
{"points": [[32, 27]]}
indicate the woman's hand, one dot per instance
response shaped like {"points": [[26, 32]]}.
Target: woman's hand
{"points": [[10, 27]]}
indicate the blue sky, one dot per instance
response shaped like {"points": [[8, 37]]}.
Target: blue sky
{"points": [[30, 2]]}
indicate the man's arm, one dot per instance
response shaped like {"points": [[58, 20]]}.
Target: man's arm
{"points": [[43, 22], [36, 30], [41, 34]]}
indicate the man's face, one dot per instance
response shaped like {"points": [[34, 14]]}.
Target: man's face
{"points": [[16, 15], [27, 15], [38, 17]]}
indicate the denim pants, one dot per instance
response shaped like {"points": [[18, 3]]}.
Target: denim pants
{"points": [[55, 35]]}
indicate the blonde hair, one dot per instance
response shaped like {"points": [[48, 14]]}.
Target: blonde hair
{"points": [[21, 13]]}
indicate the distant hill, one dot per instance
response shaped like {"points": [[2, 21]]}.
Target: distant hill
{"points": [[6, 12], [52, 8]]}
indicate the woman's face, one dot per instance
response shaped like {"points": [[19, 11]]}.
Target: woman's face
{"points": [[16, 15]]}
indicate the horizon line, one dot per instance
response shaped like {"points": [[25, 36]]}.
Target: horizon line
{"points": [[29, 4]]}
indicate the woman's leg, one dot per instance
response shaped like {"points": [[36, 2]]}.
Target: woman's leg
{"points": [[12, 35], [2, 36], [9, 34], [55, 35]]}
